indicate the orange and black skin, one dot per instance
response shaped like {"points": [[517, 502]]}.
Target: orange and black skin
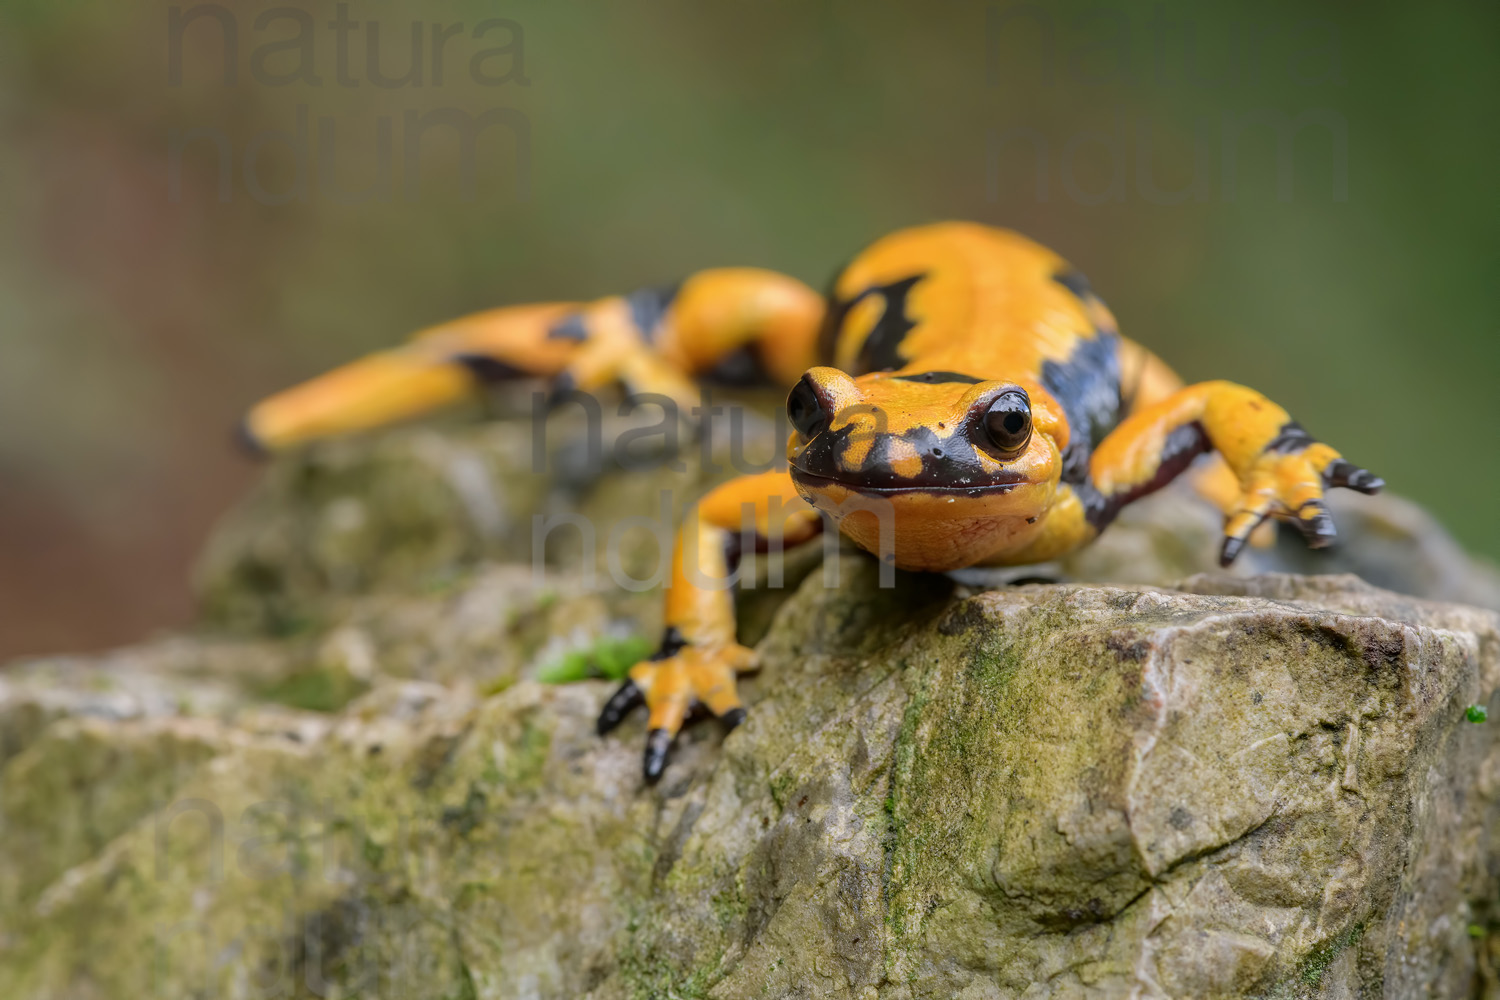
{"points": [[961, 398], [656, 340]]}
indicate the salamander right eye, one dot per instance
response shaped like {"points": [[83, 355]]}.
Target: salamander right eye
{"points": [[805, 409]]}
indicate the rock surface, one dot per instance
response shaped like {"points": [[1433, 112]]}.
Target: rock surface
{"points": [[352, 783]]}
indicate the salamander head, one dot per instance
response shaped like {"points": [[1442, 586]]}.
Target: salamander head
{"points": [[965, 467]]}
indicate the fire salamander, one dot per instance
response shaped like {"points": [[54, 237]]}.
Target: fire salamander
{"points": [[962, 397]]}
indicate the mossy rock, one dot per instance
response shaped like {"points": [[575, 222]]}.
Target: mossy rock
{"points": [[1242, 787], [354, 779]]}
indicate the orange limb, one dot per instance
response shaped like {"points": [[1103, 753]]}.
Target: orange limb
{"points": [[722, 310], [653, 342], [1146, 379], [699, 655], [1278, 468], [437, 367]]}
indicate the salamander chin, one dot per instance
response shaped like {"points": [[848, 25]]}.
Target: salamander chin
{"points": [[812, 483]]}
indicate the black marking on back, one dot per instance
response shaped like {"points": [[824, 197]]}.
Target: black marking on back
{"points": [[1290, 437], [1087, 386], [740, 367], [570, 327], [878, 353], [487, 369], [939, 377], [1073, 280], [648, 306]]}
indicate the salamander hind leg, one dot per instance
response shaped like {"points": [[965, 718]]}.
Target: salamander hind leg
{"points": [[653, 342]]}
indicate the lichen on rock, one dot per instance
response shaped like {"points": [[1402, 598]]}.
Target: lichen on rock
{"points": [[350, 781]]}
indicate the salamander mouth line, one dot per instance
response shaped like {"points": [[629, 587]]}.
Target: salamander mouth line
{"points": [[802, 476]]}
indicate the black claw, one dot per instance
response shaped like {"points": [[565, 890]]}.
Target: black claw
{"points": [[1342, 472], [1318, 527], [1231, 549], [620, 704], [733, 717], [672, 641], [247, 442], [658, 742]]}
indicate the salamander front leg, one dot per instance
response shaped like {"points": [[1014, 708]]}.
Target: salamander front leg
{"points": [[699, 658], [670, 683], [1280, 469], [1287, 480]]}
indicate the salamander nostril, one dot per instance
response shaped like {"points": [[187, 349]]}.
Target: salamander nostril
{"points": [[805, 410]]}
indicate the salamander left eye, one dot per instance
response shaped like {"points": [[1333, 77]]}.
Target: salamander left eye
{"points": [[1008, 423]]}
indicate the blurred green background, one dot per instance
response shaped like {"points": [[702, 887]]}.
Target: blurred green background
{"points": [[137, 321]]}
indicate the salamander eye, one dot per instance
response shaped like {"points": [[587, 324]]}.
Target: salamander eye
{"points": [[805, 409], [1008, 423]]}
